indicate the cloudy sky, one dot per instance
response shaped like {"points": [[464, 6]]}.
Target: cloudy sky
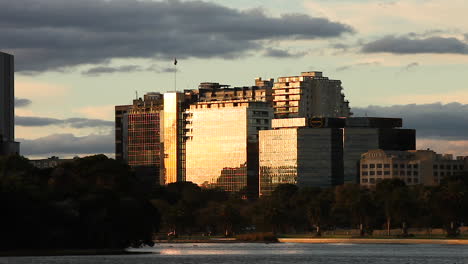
{"points": [[75, 60]]}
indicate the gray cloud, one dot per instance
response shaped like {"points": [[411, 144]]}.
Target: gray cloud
{"points": [[56, 34], [59, 144], [364, 64], [279, 53], [408, 45], [434, 121], [71, 122], [22, 102], [96, 71]]}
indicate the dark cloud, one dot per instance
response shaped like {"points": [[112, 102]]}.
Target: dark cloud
{"points": [[411, 66], [364, 64], [279, 53], [55, 34], [68, 144], [408, 45], [96, 71], [435, 121], [71, 122], [22, 102]]}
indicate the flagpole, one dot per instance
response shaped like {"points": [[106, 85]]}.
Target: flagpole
{"points": [[175, 74]]}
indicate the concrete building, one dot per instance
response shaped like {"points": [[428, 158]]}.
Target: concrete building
{"points": [[309, 95], [414, 166], [302, 151], [222, 143], [7, 105], [362, 134]]}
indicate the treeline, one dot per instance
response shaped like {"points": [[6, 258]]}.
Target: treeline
{"points": [[92, 202], [97, 202], [187, 209]]}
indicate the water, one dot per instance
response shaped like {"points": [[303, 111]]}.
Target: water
{"points": [[270, 253]]}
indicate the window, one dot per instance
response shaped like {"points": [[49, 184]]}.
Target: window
{"points": [[402, 166], [408, 173], [395, 166], [416, 180], [415, 166], [442, 173], [386, 166], [372, 180], [372, 166], [410, 180], [442, 166], [386, 173], [379, 166], [364, 181], [364, 166], [365, 173], [379, 172], [402, 173], [415, 173], [372, 172], [435, 166], [461, 167], [436, 173], [455, 167]]}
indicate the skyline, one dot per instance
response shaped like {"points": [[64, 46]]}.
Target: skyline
{"points": [[418, 60]]}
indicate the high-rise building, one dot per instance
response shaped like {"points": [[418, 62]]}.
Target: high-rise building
{"points": [[222, 143], [413, 167], [138, 136], [309, 95], [302, 151], [262, 91], [174, 137], [362, 134], [7, 105]]}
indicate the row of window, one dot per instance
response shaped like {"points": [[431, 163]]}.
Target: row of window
{"points": [[448, 167], [373, 180], [395, 173], [387, 166]]}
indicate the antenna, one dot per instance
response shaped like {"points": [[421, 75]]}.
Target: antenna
{"points": [[136, 94]]}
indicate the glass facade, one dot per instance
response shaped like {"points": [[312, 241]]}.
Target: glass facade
{"points": [[222, 143], [174, 153], [144, 142], [302, 156]]}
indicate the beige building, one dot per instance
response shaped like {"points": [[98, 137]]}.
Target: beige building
{"points": [[413, 167], [309, 95]]}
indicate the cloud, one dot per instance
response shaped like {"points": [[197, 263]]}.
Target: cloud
{"points": [[456, 147], [411, 66], [431, 121], [56, 34], [407, 45], [362, 64], [22, 102], [280, 53], [96, 71], [68, 144], [28, 121]]}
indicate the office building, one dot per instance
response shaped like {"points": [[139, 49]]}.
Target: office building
{"points": [[222, 143], [302, 151], [138, 137], [362, 134], [413, 167], [7, 105], [174, 137], [49, 163], [309, 95]]}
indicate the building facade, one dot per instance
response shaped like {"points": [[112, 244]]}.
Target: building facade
{"points": [[302, 151], [7, 105], [309, 95], [222, 143], [413, 167], [49, 163], [362, 134]]}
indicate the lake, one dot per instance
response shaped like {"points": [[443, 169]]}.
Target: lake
{"points": [[269, 253]]}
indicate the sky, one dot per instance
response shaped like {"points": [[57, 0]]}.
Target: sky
{"points": [[76, 60]]}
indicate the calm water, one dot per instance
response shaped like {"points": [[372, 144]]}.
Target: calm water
{"points": [[270, 253]]}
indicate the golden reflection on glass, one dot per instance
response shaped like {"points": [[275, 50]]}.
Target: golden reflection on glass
{"points": [[173, 137]]}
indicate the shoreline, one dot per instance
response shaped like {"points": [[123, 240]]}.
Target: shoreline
{"points": [[375, 241]]}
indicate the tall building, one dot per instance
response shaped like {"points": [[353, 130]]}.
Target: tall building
{"points": [[309, 95], [7, 105], [174, 137], [302, 151], [362, 134], [262, 91], [138, 136], [222, 143], [413, 167]]}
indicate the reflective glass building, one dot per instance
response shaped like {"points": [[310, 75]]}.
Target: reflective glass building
{"points": [[7, 105], [222, 143], [306, 152]]}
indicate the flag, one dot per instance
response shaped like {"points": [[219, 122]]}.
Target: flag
{"points": [[175, 61]]}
